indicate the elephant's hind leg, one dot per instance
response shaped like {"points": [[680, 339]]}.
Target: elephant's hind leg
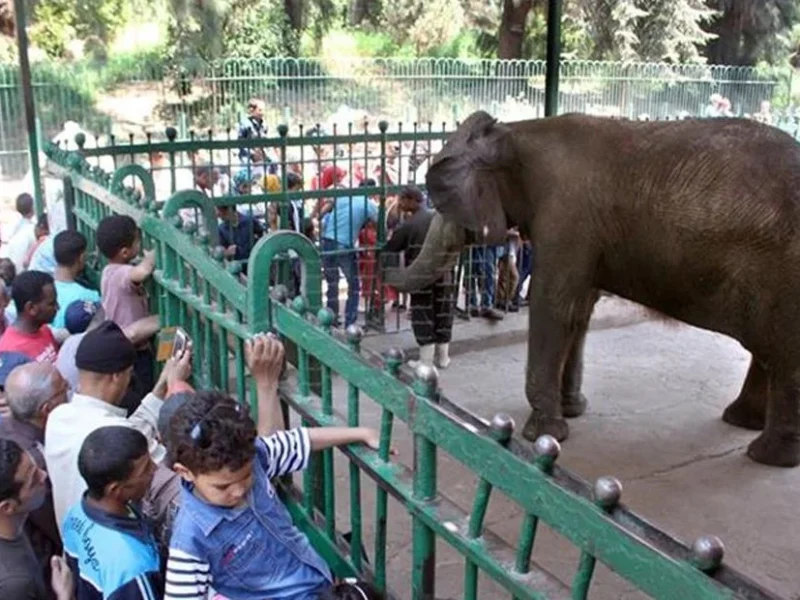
{"points": [[779, 443], [749, 410]]}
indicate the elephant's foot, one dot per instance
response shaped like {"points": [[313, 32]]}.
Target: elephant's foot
{"points": [[776, 449], [539, 425], [573, 405], [747, 412]]}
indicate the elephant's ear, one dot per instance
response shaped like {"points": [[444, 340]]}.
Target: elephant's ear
{"points": [[473, 174]]}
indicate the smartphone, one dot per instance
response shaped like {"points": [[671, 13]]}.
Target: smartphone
{"points": [[180, 342]]}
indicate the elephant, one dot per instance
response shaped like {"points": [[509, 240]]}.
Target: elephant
{"points": [[697, 220]]}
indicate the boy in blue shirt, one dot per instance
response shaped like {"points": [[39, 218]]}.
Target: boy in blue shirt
{"points": [[110, 547], [232, 532], [69, 248]]}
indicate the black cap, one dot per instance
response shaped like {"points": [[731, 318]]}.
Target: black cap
{"points": [[105, 350]]}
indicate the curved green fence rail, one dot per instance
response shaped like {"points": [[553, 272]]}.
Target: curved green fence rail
{"points": [[194, 289]]}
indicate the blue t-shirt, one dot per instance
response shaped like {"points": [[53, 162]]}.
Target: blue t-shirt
{"points": [[347, 218], [44, 258], [68, 292], [111, 557]]}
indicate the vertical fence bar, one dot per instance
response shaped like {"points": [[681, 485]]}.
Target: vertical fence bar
{"points": [[423, 583], [354, 336]]}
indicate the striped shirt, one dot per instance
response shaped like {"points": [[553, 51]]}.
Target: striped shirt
{"points": [[247, 553]]}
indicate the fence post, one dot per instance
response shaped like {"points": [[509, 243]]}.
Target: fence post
{"points": [[28, 102], [423, 585], [553, 58], [69, 203]]}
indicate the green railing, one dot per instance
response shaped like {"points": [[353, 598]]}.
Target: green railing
{"points": [[145, 94], [192, 289]]}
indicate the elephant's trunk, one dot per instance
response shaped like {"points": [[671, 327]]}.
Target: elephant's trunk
{"points": [[443, 245]]}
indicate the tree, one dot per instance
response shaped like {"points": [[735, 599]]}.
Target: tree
{"points": [[747, 30], [512, 28]]}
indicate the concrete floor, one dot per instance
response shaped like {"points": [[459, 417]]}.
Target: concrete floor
{"points": [[656, 392]]}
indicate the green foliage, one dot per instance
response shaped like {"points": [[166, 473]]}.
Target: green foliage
{"points": [[56, 23], [254, 28]]}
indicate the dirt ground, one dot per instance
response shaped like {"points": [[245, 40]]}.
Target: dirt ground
{"points": [[656, 395]]}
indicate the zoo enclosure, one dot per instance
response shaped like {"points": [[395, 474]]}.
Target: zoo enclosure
{"points": [[192, 288], [144, 95]]}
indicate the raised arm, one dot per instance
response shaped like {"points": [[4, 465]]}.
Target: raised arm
{"points": [[145, 268]]}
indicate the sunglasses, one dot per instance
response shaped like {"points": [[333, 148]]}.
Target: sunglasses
{"points": [[200, 434]]}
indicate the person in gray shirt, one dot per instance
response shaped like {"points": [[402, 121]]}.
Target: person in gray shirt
{"points": [[22, 490]]}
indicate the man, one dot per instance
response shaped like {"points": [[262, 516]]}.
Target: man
{"points": [[34, 296], [431, 307], [105, 359], [340, 230], [21, 491], [8, 362], [253, 127], [69, 248], [33, 390], [23, 236]]}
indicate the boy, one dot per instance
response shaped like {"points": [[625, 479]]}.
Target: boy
{"points": [[109, 546], [122, 285], [431, 307], [232, 532], [238, 233], [34, 296], [69, 248]]}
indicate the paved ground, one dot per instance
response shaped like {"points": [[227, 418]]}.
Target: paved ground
{"points": [[656, 394]]}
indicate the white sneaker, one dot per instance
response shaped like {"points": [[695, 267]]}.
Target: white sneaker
{"points": [[426, 354], [442, 354]]}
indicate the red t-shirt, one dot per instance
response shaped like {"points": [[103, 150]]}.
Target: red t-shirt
{"points": [[40, 346]]}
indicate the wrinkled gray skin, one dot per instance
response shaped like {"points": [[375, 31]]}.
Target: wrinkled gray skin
{"points": [[696, 219]]}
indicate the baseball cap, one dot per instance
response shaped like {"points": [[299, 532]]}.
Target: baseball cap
{"points": [[10, 361], [79, 314]]}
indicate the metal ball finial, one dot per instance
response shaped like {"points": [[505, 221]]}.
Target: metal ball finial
{"points": [[547, 446], [395, 353], [299, 305], [383, 126], [607, 492], [427, 374], [325, 317], [354, 333], [502, 427], [172, 133], [280, 294], [80, 139], [283, 130], [708, 552]]}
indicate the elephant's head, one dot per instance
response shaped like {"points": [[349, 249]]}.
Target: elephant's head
{"points": [[468, 181]]}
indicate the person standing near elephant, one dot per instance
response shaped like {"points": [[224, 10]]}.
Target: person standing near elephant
{"points": [[432, 305]]}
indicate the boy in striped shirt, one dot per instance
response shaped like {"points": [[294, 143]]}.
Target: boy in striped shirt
{"points": [[232, 531]]}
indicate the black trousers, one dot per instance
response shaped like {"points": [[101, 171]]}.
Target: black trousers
{"points": [[432, 314]]}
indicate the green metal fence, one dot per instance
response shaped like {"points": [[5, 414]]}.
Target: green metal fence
{"points": [[142, 93], [193, 289]]}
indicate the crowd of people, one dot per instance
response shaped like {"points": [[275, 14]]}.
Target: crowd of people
{"points": [[120, 482], [345, 227]]}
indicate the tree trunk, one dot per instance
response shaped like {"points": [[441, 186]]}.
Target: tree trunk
{"points": [[359, 9], [294, 10], [512, 28]]}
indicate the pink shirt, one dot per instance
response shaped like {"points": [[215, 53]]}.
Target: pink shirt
{"points": [[124, 301], [40, 346]]}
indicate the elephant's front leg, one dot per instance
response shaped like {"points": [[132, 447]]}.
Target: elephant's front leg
{"points": [[779, 443], [552, 336], [573, 402], [749, 410]]}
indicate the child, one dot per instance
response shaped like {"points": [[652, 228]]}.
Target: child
{"points": [[232, 531], [109, 546], [70, 252], [122, 285], [431, 307]]}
